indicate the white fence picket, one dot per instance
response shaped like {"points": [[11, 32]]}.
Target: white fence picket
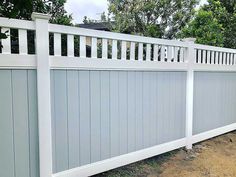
{"points": [[23, 48], [104, 48], [163, 53], [199, 57], [94, 47], [140, 51], [181, 54], [148, 52], [123, 50], [155, 53], [70, 46], [57, 44], [114, 49], [82, 46], [132, 51], [169, 53]]}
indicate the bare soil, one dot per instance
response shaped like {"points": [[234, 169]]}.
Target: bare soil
{"points": [[212, 158]]}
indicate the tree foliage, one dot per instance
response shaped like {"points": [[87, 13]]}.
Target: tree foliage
{"points": [[205, 28], [22, 9], [221, 27], [162, 18]]}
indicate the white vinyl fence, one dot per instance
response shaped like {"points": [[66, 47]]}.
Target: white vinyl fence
{"points": [[77, 102]]}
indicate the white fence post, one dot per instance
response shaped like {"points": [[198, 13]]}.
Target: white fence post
{"points": [[190, 56], [44, 98]]}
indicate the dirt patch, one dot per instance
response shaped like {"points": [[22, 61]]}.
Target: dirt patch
{"points": [[212, 158]]}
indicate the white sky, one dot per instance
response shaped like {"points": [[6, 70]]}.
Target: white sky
{"points": [[89, 8]]}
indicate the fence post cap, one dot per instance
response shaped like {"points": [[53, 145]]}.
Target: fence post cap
{"points": [[36, 15]]}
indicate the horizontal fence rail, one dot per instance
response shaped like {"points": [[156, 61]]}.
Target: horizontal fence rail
{"points": [[91, 101]]}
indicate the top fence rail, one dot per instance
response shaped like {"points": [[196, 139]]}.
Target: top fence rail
{"points": [[72, 47]]}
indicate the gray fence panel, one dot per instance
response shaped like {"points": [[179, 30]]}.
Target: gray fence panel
{"points": [[214, 100], [18, 124], [110, 113]]}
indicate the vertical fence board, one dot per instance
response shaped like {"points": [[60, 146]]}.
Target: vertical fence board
{"points": [[84, 102], [6, 125], [139, 110], [123, 112], [73, 117], [105, 115], [146, 109], [153, 109], [160, 112], [114, 113], [21, 122], [61, 124], [131, 111], [33, 123], [95, 100], [53, 112]]}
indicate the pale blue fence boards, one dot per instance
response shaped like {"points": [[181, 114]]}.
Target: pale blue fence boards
{"points": [[214, 100], [102, 114], [18, 124], [97, 115]]}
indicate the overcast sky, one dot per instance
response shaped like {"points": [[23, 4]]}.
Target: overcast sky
{"points": [[89, 8]]}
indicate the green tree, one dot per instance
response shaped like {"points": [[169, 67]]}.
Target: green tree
{"points": [[22, 9], [205, 28], [225, 12], [162, 18], [220, 30]]}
